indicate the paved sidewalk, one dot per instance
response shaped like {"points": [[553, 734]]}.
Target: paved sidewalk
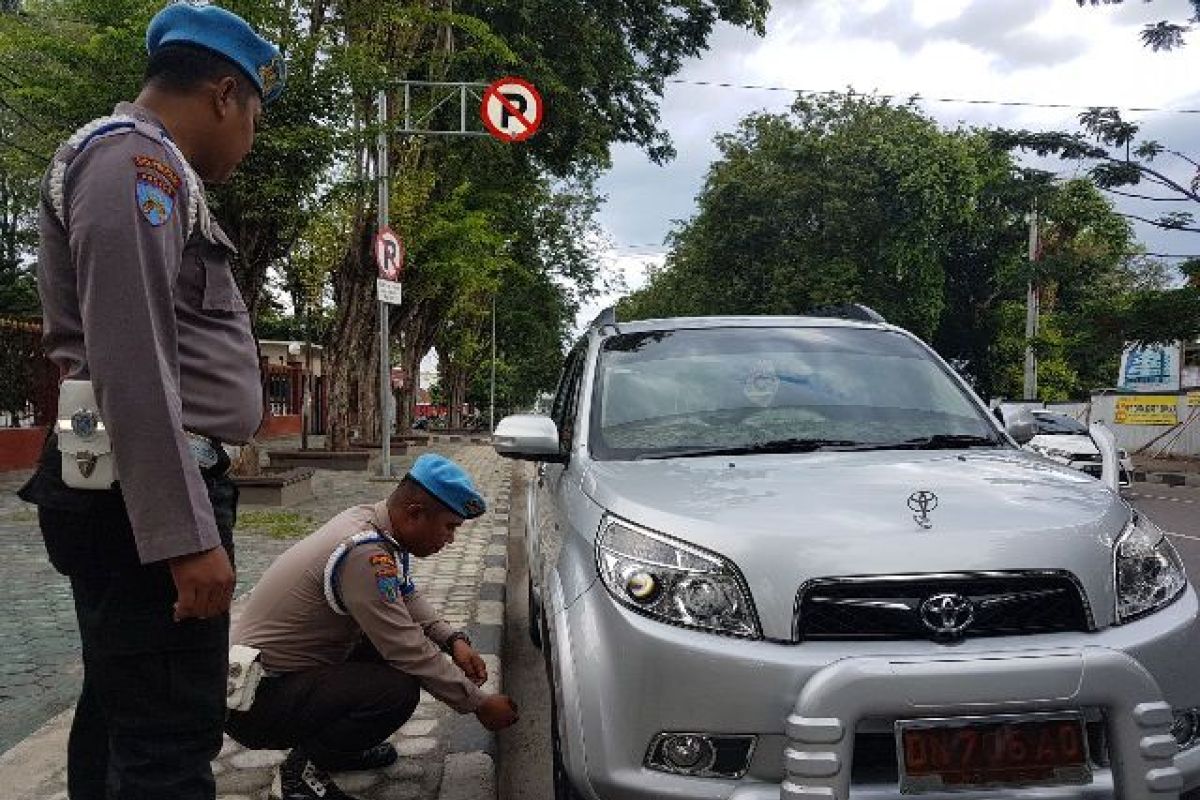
{"points": [[443, 755], [1168, 471]]}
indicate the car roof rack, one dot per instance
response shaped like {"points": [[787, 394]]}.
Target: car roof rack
{"points": [[854, 311], [606, 318]]}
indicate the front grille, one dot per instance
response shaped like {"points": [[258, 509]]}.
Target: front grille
{"points": [[906, 606]]}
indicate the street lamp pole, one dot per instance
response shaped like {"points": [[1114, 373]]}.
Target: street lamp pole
{"points": [[492, 412], [1032, 310]]}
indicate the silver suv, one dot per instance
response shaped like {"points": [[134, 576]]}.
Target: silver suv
{"points": [[796, 557]]}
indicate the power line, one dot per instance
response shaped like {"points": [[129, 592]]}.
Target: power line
{"points": [[975, 101]]}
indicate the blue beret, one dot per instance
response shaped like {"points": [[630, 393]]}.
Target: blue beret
{"points": [[224, 33], [449, 483]]}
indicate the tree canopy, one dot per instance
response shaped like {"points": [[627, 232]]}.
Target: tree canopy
{"points": [[856, 199]]}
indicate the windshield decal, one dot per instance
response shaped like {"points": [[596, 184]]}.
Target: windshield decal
{"points": [[763, 384]]}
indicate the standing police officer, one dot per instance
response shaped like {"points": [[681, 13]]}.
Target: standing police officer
{"points": [[138, 298]]}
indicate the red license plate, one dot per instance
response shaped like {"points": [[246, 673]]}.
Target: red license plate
{"points": [[991, 752]]}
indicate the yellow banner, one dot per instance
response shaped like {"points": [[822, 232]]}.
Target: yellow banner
{"points": [[1148, 409], [1194, 399]]}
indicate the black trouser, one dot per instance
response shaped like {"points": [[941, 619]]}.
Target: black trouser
{"points": [[328, 712], [149, 718]]}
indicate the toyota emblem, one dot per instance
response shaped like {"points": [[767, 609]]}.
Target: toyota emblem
{"points": [[947, 615], [922, 503]]}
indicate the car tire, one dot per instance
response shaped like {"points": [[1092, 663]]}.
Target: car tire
{"points": [[560, 780], [535, 618]]}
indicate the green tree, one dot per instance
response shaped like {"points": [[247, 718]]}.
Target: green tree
{"points": [[848, 198], [1121, 164], [855, 199], [51, 55], [600, 69]]}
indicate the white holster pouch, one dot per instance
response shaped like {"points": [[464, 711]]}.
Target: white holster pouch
{"points": [[87, 456], [245, 671]]}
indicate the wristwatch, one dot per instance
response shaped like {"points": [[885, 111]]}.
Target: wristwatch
{"points": [[448, 647]]}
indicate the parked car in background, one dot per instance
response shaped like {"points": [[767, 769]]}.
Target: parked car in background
{"points": [[1062, 438], [784, 558]]}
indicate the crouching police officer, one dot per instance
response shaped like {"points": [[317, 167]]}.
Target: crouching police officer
{"points": [[345, 642], [144, 320]]}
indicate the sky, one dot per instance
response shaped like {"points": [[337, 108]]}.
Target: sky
{"points": [[1039, 51]]}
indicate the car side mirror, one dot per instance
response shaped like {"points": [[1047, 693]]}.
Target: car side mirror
{"points": [[528, 437], [1019, 425]]}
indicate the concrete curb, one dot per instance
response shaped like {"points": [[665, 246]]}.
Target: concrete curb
{"points": [[1167, 478], [469, 770]]}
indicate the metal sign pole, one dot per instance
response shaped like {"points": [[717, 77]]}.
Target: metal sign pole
{"points": [[492, 405], [385, 362], [1032, 310]]}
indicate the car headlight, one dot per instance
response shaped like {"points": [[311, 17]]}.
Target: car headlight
{"points": [[1149, 573], [674, 582]]}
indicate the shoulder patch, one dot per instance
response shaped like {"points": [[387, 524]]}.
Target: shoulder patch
{"points": [[155, 198], [390, 587], [156, 168]]}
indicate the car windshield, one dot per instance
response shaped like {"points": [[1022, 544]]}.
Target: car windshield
{"points": [[1058, 425], [732, 390]]}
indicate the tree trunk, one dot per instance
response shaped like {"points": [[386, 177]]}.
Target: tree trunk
{"points": [[354, 338]]}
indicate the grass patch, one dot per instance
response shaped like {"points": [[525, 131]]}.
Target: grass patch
{"points": [[276, 524]]}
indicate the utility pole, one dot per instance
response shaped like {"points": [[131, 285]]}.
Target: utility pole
{"points": [[385, 360], [492, 411], [1032, 310], [306, 404]]}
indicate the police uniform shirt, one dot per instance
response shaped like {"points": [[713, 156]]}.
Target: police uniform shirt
{"points": [[289, 618], [154, 320]]}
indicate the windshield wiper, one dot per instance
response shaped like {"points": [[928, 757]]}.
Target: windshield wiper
{"points": [[775, 446], [946, 441]]}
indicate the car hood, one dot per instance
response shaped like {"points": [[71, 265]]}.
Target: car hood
{"points": [[1070, 443], [785, 519]]}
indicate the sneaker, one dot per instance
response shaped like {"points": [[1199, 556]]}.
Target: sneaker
{"points": [[377, 757], [297, 778]]}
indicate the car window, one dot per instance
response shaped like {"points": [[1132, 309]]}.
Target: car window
{"points": [[1058, 425], [566, 403], [728, 387]]}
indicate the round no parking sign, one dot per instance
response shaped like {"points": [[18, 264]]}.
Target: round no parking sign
{"points": [[511, 109]]}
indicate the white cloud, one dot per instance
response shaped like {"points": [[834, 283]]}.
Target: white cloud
{"points": [[633, 269], [1040, 51]]}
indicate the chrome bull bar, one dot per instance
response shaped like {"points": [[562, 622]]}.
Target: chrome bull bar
{"points": [[821, 729]]}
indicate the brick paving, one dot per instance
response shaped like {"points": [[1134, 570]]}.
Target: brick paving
{"points": [[40, 673]]}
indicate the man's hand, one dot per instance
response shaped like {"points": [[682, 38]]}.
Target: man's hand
{"points": [[204, 584], [497, 712], [469, 662]]}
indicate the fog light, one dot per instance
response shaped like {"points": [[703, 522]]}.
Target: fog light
{"points": [[701, 755], [1186, 728], [687, 752]]}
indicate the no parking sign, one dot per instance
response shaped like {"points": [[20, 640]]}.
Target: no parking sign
{"points": [[511, 109], [389, 254]]}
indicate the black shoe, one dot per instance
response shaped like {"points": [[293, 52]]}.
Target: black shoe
{"points": [[377, 757], [297, 778]]}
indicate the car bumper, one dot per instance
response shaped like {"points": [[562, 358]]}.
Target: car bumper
{"points": [[622, 678]]}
